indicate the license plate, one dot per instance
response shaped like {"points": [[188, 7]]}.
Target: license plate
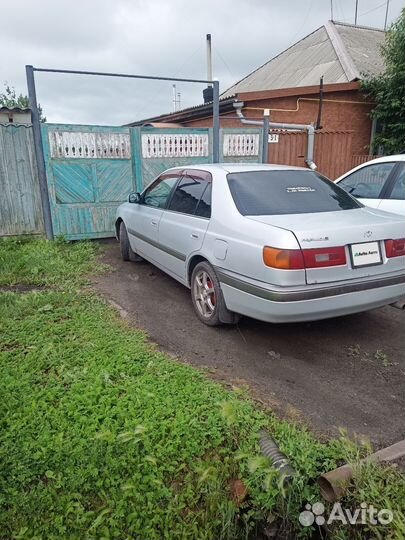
{"points": [[366, 254]]}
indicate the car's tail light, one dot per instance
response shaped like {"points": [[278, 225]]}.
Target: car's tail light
{"points": [[319, 258], [284, 259], [395, 248], [299, 259]]}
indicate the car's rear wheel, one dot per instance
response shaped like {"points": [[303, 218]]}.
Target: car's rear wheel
{"points": [[127, 253], [207, 297]]}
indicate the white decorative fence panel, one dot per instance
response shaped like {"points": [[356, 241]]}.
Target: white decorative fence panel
{"points": [[77, 144], [243, 144], [175, 145]]}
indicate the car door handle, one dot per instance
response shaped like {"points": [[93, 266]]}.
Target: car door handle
{"points": [[154, 223], [194, 235]]}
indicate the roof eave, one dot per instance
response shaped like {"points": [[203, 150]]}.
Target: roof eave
{"points": [[297, 91]]}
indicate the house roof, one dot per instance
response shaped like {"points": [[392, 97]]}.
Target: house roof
{"points": [[197, 111], [340, 52], [14, 110]]}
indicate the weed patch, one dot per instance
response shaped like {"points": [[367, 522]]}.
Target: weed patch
{"points": [[103, 436]]}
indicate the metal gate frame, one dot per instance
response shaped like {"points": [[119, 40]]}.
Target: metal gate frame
{"points": [[36, 126], [91, 169]]}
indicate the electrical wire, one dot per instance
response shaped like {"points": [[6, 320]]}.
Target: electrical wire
{"points": [[373, 9]]}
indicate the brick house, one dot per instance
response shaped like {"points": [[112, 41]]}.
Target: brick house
{"points": [[289, 85]]}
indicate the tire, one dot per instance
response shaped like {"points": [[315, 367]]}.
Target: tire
{"points": [[126, 251], [208, 300]]}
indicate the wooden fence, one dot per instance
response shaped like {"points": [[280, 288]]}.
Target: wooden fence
{"points": [[359, 159], [332, 152], [20, 203]]}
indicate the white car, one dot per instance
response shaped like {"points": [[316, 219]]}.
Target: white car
{"points": [[379, 183], [276, 243]]}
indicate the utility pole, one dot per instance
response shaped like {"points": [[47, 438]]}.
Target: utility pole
{"points": [[386, 15], [355, 13], [331, 10]]}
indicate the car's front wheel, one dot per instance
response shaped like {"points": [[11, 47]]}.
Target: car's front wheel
{"points": [[127, 253], [207, 297]]}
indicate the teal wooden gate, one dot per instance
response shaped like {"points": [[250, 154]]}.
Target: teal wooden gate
{"points": [[92, 169], [90, 173]]}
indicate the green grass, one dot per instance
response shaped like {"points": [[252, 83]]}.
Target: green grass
{"points": [[28, 261], [102, 436]]}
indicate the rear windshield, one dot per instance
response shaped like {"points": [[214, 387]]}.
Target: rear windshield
{"points": [[260, 193]]}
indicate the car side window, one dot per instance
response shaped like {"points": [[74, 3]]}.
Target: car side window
{"points": [[204, 206], [187, 194], [368, 182], [158, 193], [398, 192], [192, 195]]}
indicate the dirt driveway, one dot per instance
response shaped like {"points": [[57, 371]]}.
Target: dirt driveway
{"points": [[346, 372]]}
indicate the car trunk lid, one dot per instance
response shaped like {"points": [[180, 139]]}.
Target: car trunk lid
{"points": [[360, 231]]}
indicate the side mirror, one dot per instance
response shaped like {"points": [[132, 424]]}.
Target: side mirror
{"points": [[134, 197]]}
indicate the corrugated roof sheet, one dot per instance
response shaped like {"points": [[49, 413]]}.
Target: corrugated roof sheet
{"points": [[363, 45], [340, 52]]}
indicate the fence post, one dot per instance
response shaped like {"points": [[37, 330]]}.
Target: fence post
{"points": [[215, 123], [39, 152]]}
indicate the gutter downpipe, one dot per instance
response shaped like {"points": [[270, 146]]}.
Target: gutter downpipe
{"points": [[309, 128]]}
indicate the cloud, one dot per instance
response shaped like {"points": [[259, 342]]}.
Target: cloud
{"points": [[156, 37]]}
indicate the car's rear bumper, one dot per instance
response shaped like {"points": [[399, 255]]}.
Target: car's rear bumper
{"points": [[276, 304]]}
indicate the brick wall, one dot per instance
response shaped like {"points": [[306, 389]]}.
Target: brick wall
{"points": [[336, 116]]}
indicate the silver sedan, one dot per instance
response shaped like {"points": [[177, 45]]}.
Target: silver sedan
{"points": [[276, 243]]}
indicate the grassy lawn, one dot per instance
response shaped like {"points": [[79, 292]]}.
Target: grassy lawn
{"points": [[102, 436]]}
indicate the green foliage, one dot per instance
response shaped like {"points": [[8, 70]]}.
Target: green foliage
{"points": [[28, 261], [102, 436], [10, 99], [388, 90]]}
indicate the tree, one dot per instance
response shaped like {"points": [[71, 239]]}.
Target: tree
{"points": [[10, 100], [388, 90]]}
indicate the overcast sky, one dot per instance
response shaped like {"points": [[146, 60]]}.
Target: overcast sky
{"points": [[152, 37]]}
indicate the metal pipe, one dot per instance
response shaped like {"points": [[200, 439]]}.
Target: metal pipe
{"points": [[309, 128], [265, 151], [124, 75], [215, 123], [39, 152], [309, 160], [333, 484], [215, 111], [298, 101], [318, 120], [209, 58]]}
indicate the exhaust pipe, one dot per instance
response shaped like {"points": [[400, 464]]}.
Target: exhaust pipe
{"points": [[334, 484]]}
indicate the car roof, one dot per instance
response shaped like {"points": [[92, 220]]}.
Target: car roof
{"points": [[395, 157], [240, 167], [383, 159]]}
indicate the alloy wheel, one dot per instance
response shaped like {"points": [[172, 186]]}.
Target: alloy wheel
{"points": [[204, 294]]}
